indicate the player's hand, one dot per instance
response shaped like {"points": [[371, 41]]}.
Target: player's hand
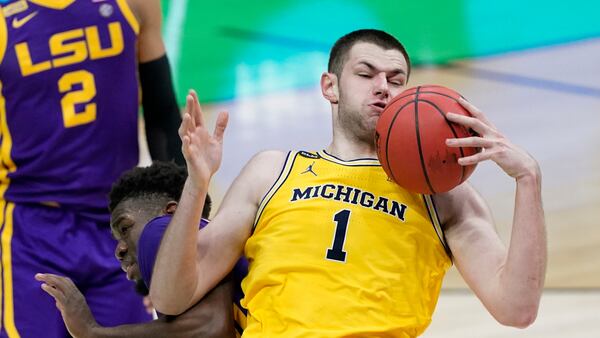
{"points": [[201, 150], [72, 305], [515, 161]]}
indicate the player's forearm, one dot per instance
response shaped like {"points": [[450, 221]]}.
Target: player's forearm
{"points": [[159, 328], [176, 274], [161, 112], [154, 328], [522, 276]]}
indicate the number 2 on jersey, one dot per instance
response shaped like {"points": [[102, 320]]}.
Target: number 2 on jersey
{"points": [[85, 79], [336, 252]]}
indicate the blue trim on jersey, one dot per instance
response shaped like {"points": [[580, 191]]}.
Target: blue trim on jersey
{"points": [[351, 163], [287, 158]]}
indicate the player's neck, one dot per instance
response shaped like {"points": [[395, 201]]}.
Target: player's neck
{"points": [[350, 150]]}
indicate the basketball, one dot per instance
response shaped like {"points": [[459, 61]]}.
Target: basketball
{"points": [[411, 140]]}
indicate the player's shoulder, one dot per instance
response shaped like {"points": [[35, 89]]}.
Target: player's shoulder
{"points": [[461, 202], [272, 161], [269, 156], [142, 8], [264, 162]]}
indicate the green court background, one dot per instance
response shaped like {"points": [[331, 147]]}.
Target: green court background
{"points": [[233, 48]]}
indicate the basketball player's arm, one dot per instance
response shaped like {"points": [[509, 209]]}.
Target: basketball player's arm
{"points": [[191, 262], [161, 111], [508, 281], [211, 317]]}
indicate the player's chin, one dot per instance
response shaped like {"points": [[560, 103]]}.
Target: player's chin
{"points": [[140, 287]]}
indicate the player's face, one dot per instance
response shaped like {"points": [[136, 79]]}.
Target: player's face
{"points": [[127, 223], [370, 78]]}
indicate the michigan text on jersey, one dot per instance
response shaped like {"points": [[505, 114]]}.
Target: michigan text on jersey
{"points": [[351, 195]]}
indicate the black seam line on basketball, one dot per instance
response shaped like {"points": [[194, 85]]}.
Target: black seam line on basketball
{"points": [[276, 189], [462, 154], [443, 238], [419, 140], [336, 160], [424, 92], [387, 138]]}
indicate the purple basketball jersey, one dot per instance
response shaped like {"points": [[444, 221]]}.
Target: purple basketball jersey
{"points": [[68, 101]]}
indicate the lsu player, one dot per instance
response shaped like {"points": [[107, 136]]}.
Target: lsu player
{"points": [[69, 99], [335, 249], [142, 202]]}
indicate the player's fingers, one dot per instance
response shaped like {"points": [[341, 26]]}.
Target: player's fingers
{"points": [[196, 109], [58, 282], [222, 120], [473, 141], [186, 126], [186, 146], [473, 159], [54, 292], [473, 123], [189, 105], [70, 285], [475, 112]]}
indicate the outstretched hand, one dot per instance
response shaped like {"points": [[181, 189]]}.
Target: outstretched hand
{"points": [[202, 151], [515, 161], [72, 305]]}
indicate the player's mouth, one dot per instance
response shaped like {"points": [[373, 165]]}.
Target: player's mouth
{"points": [[129, 270], [377, 106]]}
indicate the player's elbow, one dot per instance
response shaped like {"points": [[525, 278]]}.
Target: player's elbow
{"points": [[166, 304], [520, 317]]}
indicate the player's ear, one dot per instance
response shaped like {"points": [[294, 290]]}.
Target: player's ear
{"points": [[329, 87], [170, 208]]}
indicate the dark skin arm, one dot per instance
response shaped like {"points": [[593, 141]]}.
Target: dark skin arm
{"points": [[211, 317], [161, 111]]}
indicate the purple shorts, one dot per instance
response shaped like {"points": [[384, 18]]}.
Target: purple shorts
{"points": [[37, 238]]}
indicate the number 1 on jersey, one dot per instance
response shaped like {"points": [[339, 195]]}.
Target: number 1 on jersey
{"points": [[336, 252]]}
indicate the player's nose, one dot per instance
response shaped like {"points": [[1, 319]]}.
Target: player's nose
{"points": [[120, 250], [380, 86]]}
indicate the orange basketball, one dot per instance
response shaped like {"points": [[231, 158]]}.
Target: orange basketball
{"points": [[411, 140]]}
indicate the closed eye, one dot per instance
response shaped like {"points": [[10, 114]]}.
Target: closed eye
{"points": [[124, 230]]}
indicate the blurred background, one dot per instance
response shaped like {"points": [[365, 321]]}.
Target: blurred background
{"points": [[532, 66]]}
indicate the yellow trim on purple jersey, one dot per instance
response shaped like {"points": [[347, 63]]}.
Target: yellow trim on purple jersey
{"points": [[3, 36], [6, 163], [126, 10], [54, 4], [7, 285]]}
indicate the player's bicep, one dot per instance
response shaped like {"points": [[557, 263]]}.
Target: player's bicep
{"points": [[150, 42], [222, 242], [477, 250]]}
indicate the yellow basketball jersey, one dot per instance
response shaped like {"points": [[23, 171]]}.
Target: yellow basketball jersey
{"points": [[338, 250]]}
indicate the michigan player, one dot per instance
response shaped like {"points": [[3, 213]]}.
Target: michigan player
{"points": [[68, 122], [142, 203], [335, 248]]}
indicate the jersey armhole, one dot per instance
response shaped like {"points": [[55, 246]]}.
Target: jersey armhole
{"points": [[283, 175], [435, 221], [128, 14]]}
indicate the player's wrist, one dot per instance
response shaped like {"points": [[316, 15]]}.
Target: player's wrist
{"points": [[197, 185], [94, 330], [531, 174]]}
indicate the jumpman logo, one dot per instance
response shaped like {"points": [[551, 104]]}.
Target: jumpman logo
{"points": [[309, 169]]}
